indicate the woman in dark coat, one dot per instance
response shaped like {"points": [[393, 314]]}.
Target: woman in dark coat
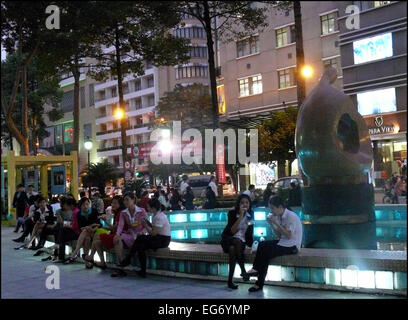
{"points": [[238, 233]]}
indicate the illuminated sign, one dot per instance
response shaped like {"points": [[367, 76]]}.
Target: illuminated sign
{"points": [[373, 48], [376, 101], [221, 99]]}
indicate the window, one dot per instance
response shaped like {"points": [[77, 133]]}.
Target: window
{"points": [[333, 63], [91, 95], [244, 87], [249, 86], [248, 46], [138, 104], [292, 34], [58, 135], [138, 85], [139, 138], [102, 112], [380, 3], [376, 101], [82, 94], [198, 52], [328, 23], [87, 130], [257, 84], [373, 48], [67, 102], [191, 72], [103, 127], [150, 82], [150, 101], [287, 78], [69, 132], [114, 125], [113, 92], [190, 32], [281, 37]]}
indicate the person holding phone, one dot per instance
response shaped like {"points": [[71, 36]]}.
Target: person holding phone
{"points": [[130, 227], [238, 233], [158, 236], [88, 222], [288, 227]]}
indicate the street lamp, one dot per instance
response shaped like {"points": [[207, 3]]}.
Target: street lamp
{"points": [[88, 146], [119, 113], [307, 72]]}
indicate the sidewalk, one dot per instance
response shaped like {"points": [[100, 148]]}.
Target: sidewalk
{"points": [[23, 276]]}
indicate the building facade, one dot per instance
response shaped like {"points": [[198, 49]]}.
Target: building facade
{"points": [[374, 61], [61, 132]]}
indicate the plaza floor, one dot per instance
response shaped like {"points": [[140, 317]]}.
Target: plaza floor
{"points": [[23, 276]]}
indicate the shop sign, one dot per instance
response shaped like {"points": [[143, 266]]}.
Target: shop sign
{"points": [[380, 127]]}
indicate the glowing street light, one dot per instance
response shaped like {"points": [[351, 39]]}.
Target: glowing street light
{"points": [[119, 113], [307, 71]]}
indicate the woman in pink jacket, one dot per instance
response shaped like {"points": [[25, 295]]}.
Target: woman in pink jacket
{"points": [[129, 227]]}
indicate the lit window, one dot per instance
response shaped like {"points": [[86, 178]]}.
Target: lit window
{"points": [[281, 37], [328, 23], [287, 78], [244, 87], [257, 84]]}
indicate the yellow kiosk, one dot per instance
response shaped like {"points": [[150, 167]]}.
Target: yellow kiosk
{"points": [[14, 164]]}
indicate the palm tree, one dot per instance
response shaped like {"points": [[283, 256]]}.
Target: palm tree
{"points": [[98, 174], [135, 187]]}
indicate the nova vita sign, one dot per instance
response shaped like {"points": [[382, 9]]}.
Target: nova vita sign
{"points": [[380, 127]]}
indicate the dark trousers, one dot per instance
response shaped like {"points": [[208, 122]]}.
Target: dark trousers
{"points": [[266, 251], [28, 227], [145, 242], [62, 236], [47, 231]]}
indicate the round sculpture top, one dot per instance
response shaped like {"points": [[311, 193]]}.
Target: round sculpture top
{"points": [[329, 75]]}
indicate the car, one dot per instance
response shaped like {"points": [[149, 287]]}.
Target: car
{"points": [[284, 183]]}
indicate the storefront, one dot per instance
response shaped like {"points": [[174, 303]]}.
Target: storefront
{"points": [[388, 135]]}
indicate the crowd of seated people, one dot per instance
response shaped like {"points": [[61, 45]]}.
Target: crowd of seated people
{"points": [[123, 225]]}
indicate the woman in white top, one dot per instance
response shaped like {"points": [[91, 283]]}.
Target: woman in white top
{"points": [[158, 236]]}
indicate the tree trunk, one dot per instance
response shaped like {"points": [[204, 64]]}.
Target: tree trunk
{"points": [[300, 56], [25, 148], [123, 121], [211, 63], [281, 168], [76, 74]]}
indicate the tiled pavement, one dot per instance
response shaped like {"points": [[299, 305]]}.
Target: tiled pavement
{"points": [[23, 276]]}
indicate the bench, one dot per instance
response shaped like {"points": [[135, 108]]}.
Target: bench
{"points": [[370, 271]]}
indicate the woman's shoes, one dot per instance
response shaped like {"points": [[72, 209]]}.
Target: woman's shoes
{"points": [[70, 260], [251, 273], [245, 276], [232, 285], [101, 265], [141, 273], [118, 274], [254, 289], [125, 262]]}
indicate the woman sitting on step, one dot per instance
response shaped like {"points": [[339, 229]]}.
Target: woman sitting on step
{"points": [[130, 227], [238, 234], [158, 237], [105, 241], [88, 222]]}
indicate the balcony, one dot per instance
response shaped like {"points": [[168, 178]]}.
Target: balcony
{"points": [[148, 124]]}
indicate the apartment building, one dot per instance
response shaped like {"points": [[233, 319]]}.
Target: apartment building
{"points": [[142, 94], [258, 73], [374, 62]]}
